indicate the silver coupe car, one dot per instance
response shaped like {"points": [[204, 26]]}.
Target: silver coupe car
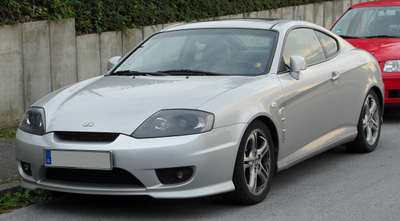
{"points": [[205, 108]]}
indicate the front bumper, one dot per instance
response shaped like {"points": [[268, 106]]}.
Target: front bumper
{"points": [[392, 89], [211, 155], [392, 86]]}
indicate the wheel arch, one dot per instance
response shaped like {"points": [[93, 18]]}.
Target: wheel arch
{"points": [[381, 97], [274, 133]]}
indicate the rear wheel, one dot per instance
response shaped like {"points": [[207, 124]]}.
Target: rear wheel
{"points": [[254, 166], [369, 126]]}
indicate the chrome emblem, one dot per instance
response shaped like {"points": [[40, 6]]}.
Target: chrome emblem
{"points": [[88, 124]]}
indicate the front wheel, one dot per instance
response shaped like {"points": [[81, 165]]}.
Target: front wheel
{"points": [[369, 126], [254, 166]]}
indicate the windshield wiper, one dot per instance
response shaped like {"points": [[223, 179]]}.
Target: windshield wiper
{"points": [[129, 73], [190, 72], [347, 36], [184, 72], [135, 73], [382, 36]]}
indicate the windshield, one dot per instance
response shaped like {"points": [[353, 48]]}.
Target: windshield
{"points": [[203, 52], [369, 22]]}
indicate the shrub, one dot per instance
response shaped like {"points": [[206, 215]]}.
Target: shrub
{"points": [[118, 15]]}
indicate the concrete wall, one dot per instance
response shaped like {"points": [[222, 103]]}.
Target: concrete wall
{"points": [[36, 61], [11, 73], [130, 40], [40, 57], [88, 56], [299, 12], [149, 30], [63, 53], [110, 46]]}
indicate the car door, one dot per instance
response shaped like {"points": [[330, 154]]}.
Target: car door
{"points": [[313, 104]]}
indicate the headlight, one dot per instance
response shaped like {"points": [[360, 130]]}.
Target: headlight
{"points": [[392, 66], [175, 123], [33, 121]]}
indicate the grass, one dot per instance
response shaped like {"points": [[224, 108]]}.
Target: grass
{"points": [[9, 180], [22, 198], [4, 181], [8, 133]]}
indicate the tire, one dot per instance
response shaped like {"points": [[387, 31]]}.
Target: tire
{"points": [[254, 166], [369, 126]]}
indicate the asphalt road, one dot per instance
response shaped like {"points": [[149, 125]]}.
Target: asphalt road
{"points": [[335, 185]]}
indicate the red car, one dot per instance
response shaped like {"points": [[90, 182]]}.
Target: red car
{"points": [[375, 27]]}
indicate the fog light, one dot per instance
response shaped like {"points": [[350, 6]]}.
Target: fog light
{"points": [[174, 175], [179, 174], [26, 167]]}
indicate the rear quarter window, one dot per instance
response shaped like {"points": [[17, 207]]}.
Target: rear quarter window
{"points": [[329, 44]]}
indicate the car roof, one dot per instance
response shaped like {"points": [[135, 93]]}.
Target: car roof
{"points": [[245, 23], [227, 23], [376, 3]]}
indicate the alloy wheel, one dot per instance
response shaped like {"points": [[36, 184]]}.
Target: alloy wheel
{"points": [[371, 120], [257, 162]]}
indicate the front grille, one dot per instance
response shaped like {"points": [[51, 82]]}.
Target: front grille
{"points": [[87, 136], [394, 93], [116, 176]]}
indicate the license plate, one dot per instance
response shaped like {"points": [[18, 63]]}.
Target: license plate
{"points": [[78, 159]]}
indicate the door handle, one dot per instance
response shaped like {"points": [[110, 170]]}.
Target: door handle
{"points": [[335, 77]]}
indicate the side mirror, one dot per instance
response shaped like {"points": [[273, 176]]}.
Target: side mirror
{"points": [[297, 63], [112, 62]]}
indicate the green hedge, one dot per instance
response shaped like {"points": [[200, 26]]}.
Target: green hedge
{"points": [[118, 15]]}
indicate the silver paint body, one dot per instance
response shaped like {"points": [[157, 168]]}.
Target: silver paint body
{"points": [[310, 115]]}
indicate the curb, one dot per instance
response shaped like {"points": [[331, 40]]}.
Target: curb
{"points": [[9, 125], [9, 187]]}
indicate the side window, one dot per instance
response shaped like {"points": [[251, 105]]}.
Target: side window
{"points": [[329, 44], [303, 42]]}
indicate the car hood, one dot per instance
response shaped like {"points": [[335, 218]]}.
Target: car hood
{"points": [[121, 104], [383, 48]]}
